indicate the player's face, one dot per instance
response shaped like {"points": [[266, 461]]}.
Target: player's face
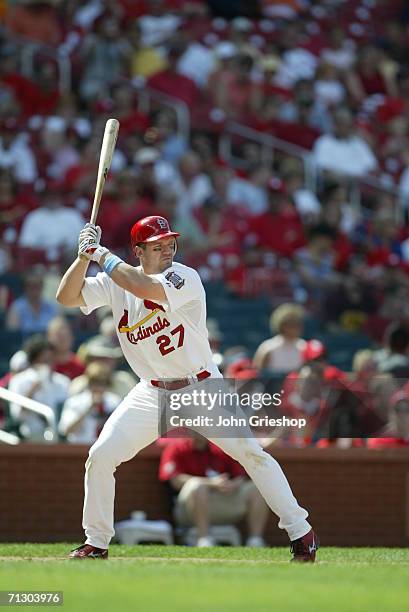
{"points": [[157, 256]]}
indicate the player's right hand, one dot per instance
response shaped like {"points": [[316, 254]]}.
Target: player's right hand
{"points": [[90, 233]]}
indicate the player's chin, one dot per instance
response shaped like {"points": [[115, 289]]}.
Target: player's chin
{"points": [[167, 260]]}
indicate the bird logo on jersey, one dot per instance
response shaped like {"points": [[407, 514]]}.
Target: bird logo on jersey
{"points": [[143, 332]]}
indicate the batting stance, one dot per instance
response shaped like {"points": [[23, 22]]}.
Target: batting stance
{"points": [[160, 312]]}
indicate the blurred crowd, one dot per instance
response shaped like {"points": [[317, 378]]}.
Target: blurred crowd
{"points": [[368, 406], [328, 79]]}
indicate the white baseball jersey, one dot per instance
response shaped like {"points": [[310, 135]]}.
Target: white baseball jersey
{"points": [[160, 340]]}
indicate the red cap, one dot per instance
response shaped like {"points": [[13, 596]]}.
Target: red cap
{"points": [[242, 369], [314, 349], [150, 229]]}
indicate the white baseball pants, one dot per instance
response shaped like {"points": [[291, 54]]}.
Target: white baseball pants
{"points": [[134, 425]]}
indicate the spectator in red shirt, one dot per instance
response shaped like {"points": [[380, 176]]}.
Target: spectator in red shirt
{"points": [[373, 74], [23, 89], [172, 83], [35, 20], [127, 203], [125, 110], [336, 214], [279, 229], [60, 336], [238, 96], [13, 206], [306, 393], [211, 488], [396, 432]]}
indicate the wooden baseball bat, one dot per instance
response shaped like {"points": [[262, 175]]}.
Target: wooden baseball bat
{"points": [[105, 159]]}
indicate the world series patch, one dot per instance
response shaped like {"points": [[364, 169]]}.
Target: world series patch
{"points": [[176, 280]]}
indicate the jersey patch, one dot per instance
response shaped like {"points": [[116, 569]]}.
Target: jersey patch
{"points": [[176, 280]]}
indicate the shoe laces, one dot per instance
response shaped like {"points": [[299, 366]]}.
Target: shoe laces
{"points": [[297, 547]]}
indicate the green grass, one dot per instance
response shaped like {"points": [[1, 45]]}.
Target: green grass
{"points": [[175, 578]]}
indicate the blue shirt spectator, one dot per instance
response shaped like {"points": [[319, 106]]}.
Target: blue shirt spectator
{"points": [[30, 313]]}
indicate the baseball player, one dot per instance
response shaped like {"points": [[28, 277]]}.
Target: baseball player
{"points": [[160, 311]]}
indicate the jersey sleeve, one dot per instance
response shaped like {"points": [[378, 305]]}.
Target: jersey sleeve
{"points": [[181, 287], [96, 292]]}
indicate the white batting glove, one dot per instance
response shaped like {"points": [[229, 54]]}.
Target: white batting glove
{"points": [[91, 250], [91, 232], [88, 243]]}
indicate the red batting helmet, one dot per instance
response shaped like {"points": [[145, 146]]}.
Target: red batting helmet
{"points": [[150, 229]]}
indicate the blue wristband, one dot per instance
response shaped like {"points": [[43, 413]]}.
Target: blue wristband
{"points": [[110, 263]]}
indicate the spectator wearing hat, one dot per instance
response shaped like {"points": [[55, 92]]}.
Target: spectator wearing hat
{"points": [[31, 313], [210, 488], [15, 153], [84, 414], [283, 352], [103, 349], [60, 335], [40, 383], [52, 227]]}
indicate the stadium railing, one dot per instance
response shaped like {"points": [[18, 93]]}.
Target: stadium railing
{"points": [[50, 434], [269, 145]]}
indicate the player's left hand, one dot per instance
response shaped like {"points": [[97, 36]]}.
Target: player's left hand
{"points": [[92, 251]]}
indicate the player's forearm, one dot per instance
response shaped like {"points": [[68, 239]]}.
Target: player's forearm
{"points": [[135, 281], [69, 290]]}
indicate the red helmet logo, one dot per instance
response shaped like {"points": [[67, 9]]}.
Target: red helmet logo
{"points": [[150, 229]]}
